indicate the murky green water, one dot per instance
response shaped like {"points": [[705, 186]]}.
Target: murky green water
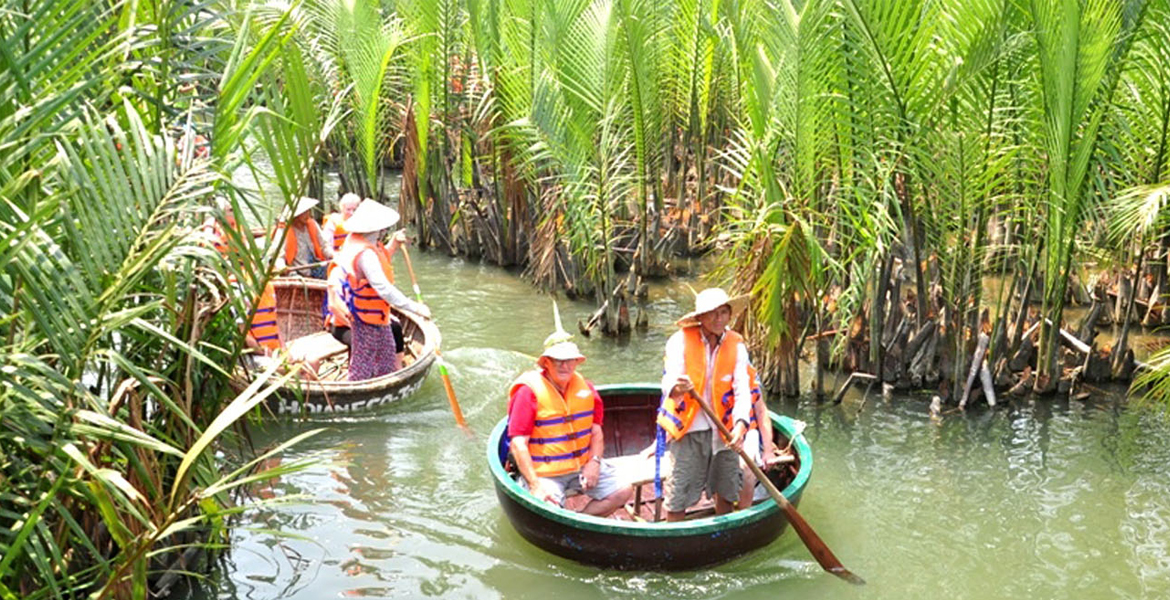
{"points": [[1035, 499], [1046, 499]]}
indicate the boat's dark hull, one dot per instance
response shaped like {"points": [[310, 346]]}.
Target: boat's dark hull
{"points": [[621, 550], [644, 546]]}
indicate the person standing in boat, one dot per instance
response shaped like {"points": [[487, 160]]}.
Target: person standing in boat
{"points": [[304, 244], [554, 430], [710, 360], [333, 228], [361, 292]]}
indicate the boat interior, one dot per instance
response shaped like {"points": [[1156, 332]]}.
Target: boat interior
{"points": [[300, 306], [629, 430]]}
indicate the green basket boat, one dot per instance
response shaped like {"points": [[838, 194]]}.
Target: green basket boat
{"points": [[634, 540]]}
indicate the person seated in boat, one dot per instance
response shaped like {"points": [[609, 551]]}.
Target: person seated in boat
{"points": [[333, 228], [361, 292], [304, 244], [705, 358], [554, 426], [263, 341]]}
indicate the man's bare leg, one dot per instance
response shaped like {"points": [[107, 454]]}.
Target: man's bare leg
{"points": [[608, 504], [748, 490]]}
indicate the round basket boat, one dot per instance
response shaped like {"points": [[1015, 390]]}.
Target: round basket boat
{"points": [[634, 539], [299, 318]]}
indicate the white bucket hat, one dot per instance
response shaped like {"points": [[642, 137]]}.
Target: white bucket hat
{"points": [[371, 216], [707, 301], [304, 205], [558, 345]]}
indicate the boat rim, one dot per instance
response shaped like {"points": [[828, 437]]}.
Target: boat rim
{"points": [[432, 339], [703, 525]]}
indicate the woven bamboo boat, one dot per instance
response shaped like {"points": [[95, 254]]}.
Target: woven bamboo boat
{"points": [[299, 303], [633, 538]]}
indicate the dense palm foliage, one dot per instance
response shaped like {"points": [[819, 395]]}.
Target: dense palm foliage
{"points": [[114, 344], [826, 144]]}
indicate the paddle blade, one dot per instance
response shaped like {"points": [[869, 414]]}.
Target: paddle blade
{"points": [[815, 545], [847, 575]]}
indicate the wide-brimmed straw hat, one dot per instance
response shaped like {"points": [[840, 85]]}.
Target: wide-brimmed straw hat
{"points": [[710, 299], [559, 345], [371, 216], [304, 205]]}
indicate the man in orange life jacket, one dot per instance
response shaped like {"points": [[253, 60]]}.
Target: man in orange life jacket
{"points": [[333, 229], [707, 358], [554, 423], [304, 244]]}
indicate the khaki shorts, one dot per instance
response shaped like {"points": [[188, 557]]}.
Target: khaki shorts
{"points": [[695, 468], [607, 483]]}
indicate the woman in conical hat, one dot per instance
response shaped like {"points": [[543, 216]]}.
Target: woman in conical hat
{"points": [[361, 292], [554, 430]]}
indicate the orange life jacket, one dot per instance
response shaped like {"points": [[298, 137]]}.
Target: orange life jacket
{"points": [[757, 393], [290, 243], [363, 301], [219, 240], [264, 321], [676, 416], [559, 443], [339, 231]]}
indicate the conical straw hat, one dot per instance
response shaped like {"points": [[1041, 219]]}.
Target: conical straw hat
{"points": [[371, 216], [304, 205]]}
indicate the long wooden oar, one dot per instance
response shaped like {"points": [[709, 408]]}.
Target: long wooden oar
{"points": [[303, 267], [810, 538], [438, 355]]}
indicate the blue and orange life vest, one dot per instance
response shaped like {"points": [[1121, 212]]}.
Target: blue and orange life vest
{"points": [[264, 320], [676, 415], [219, 240], [559, 443], [339, 231], [754, 386], [362, 299], [290, 243]]}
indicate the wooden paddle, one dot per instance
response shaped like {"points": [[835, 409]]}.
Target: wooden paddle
{"points": [[303, 267], [438, 355], [810, 538]]}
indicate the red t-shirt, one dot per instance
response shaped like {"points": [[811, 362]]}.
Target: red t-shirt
{"points": [[522, 410]]}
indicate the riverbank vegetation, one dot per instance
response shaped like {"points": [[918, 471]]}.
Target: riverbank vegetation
{"points": [[864, 168], [119, 461]]}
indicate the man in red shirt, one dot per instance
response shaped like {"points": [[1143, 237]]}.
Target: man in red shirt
{"points": [[554, 424]]}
